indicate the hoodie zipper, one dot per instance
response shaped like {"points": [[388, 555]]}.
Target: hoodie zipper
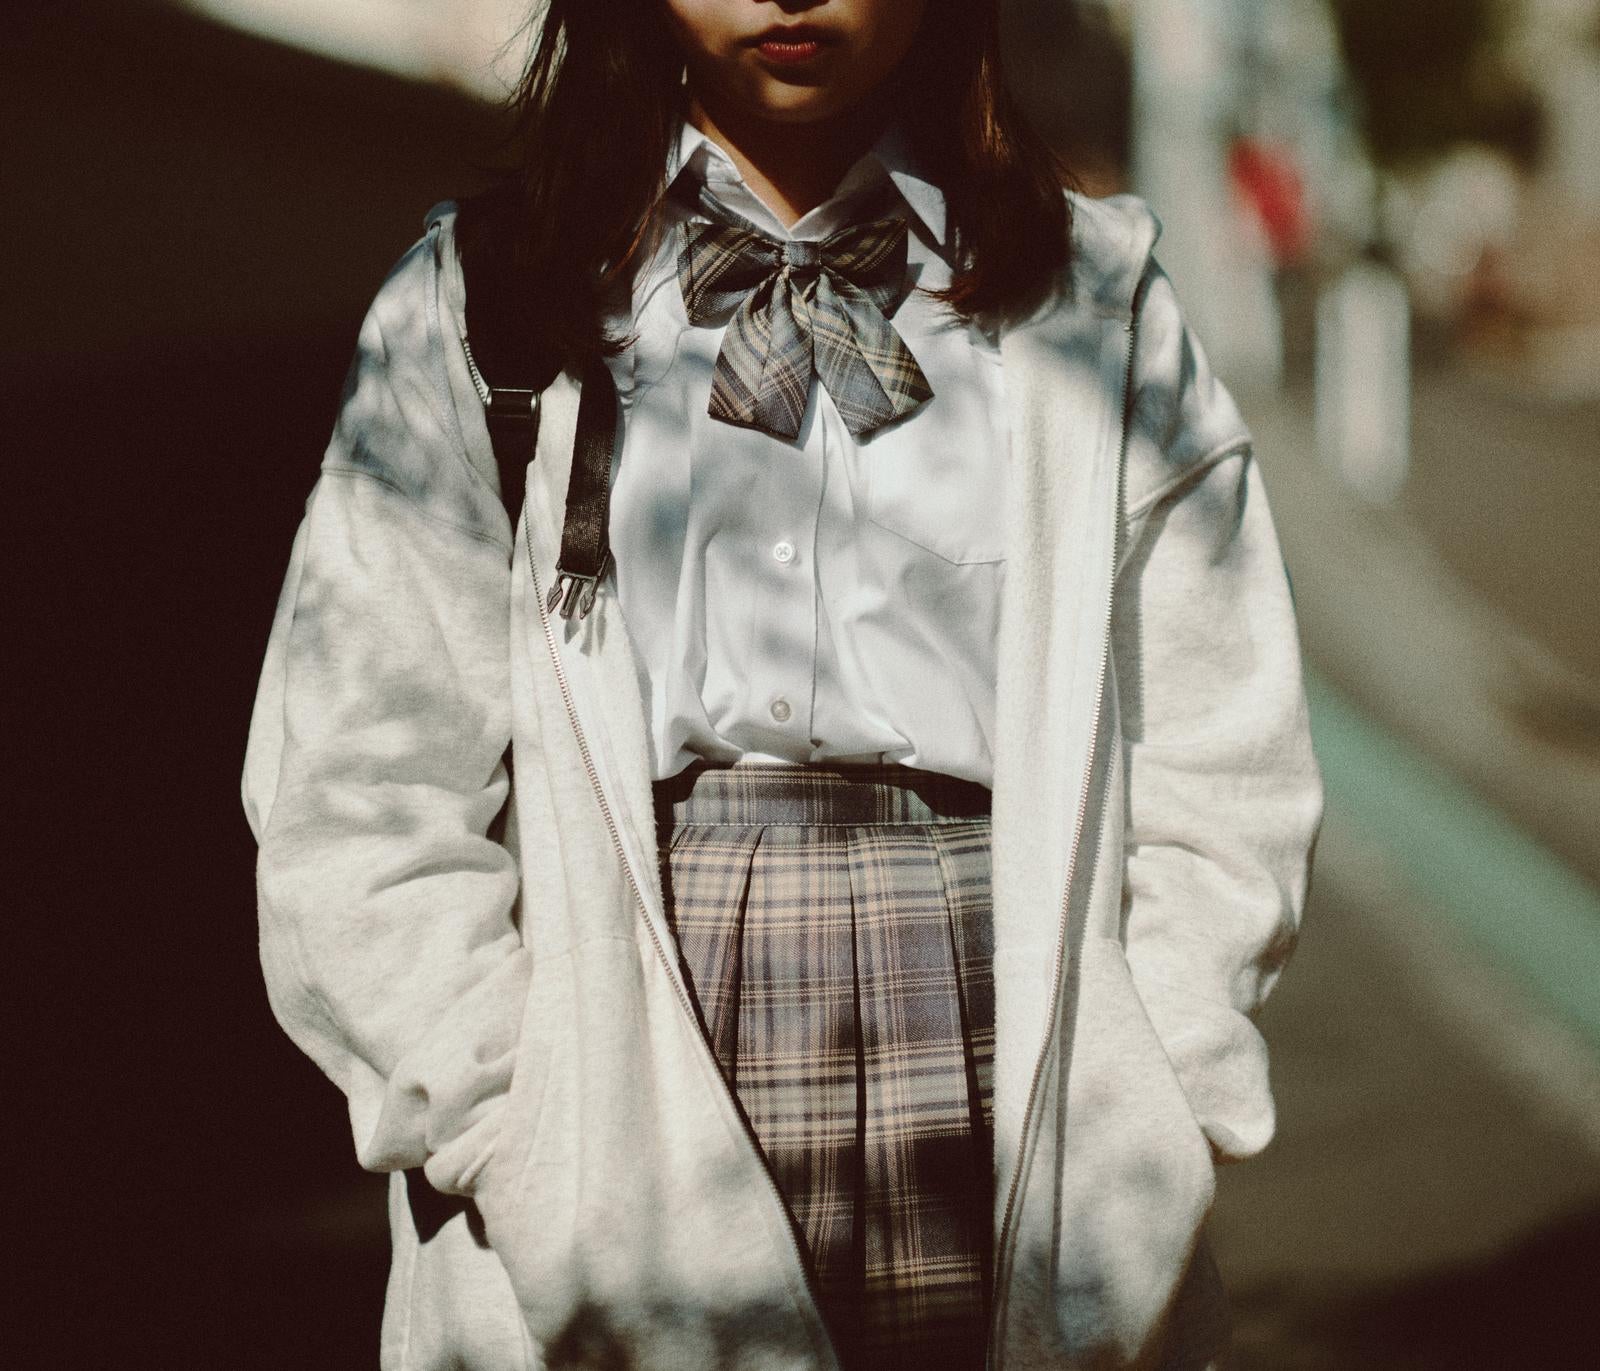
{"points": [[1008, 1216], [638, 895], [484, 392]]}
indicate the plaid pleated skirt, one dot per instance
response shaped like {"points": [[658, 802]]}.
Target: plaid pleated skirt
{"points": [[834, 926]]}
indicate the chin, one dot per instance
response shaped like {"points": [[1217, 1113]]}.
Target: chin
{"points": [[799, 104]]}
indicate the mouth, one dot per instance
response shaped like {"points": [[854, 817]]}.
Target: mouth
{"points": [[791, 45]]}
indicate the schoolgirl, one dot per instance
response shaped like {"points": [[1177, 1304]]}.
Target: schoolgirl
{"points": [[825, 931]]}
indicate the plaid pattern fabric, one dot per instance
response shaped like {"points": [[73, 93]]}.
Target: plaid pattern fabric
{"points": [[844, 973], [803, 309]]}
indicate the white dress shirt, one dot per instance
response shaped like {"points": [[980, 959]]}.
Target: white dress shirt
{"points": [[820, 598]]}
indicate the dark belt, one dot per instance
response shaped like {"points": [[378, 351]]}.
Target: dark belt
{"points": [[816, 793]]}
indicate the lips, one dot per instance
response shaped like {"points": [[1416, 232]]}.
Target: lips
{"points": [[791, 45]]}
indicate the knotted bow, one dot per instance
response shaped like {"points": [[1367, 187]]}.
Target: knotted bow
{"points": [[803, 308]]}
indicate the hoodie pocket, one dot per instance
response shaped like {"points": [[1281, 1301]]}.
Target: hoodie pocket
{"points": [[497, 1190], [1135, 1174], [450, 1303], [1117, 1030]]}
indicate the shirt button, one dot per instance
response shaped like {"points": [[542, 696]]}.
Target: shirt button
{"points": [[784, 552], [781, 711]]}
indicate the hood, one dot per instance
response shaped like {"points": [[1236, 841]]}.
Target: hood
{"points": [[1112, 239]]}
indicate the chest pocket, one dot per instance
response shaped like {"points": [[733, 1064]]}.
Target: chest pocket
{"points": [[939, 479]]}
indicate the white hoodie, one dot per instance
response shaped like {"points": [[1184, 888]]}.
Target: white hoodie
{"points": [[485, 968]]}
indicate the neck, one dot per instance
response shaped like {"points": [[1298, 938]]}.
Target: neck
{"points": [[793, 168]]}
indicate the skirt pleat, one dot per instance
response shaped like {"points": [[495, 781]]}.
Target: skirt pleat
{"points": [[844, 974]]}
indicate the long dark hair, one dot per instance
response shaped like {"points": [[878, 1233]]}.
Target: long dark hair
{"points": [[601, 101]]}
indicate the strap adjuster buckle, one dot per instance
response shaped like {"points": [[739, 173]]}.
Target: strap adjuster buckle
{"points": [[513, 403]]}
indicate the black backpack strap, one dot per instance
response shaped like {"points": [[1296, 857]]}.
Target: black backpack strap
{"points": [[513, 418], [501, 353], [502, 349], [585, 541]]}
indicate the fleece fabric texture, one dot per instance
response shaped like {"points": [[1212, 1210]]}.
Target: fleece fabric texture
{"points": [[483, 966]]}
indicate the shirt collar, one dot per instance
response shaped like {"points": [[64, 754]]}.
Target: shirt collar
{"points": [[697, 155]]}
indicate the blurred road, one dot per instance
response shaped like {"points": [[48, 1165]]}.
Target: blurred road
{"points": [[1466, 637], [1432, 1201], [1506, 487]]}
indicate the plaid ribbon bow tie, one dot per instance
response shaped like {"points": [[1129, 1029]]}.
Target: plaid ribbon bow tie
{"points": [[803, 308]]}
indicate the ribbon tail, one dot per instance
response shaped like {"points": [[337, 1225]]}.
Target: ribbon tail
{"points": [[763, 372], [865, 364]]}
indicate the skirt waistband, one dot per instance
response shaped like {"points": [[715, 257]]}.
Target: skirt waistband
{"points": [[816, 794]]}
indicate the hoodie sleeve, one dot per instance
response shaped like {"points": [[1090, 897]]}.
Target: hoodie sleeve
{"points": [[375, 776], [1223, 792]]}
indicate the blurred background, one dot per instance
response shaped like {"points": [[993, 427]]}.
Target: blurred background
{"points": [[1384, 220]]}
